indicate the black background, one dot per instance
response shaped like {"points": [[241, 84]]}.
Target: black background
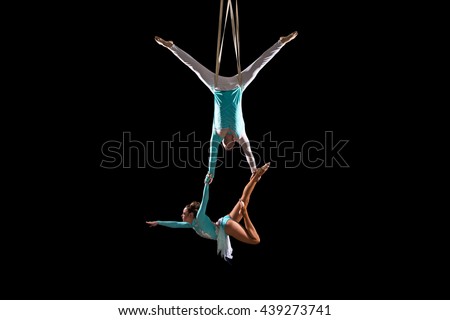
{"points": [[327, 233]]}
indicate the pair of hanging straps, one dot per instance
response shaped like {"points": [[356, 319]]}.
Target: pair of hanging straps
{"points": [[221, 36]]}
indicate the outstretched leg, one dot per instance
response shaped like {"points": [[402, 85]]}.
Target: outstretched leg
{"points": [[248, 234], [233, 228], [206, 76], [251, 184], [249, 73]]}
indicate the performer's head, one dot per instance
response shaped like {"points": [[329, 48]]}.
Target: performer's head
{"points": [[190, 211]]}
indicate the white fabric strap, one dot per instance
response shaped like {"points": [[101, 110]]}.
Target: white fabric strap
{"points": [[221, 37]]}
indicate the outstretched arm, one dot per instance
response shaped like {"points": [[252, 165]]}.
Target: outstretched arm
{"points": [[206, 76], [249, 74], [202, 210], [170, 224], [213, 151]]}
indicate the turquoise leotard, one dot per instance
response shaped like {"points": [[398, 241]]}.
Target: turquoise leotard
{"points": [[228, 110], [228, 93]]}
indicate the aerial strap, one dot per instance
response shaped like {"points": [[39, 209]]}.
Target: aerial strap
{"points": [[221, 36]]}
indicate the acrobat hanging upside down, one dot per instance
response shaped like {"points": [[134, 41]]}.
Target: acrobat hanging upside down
{"points": [[228, 123]]}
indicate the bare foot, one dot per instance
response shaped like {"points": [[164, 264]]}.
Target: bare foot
{"points": [[164, 43], [289, 37], [260, 171]]}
